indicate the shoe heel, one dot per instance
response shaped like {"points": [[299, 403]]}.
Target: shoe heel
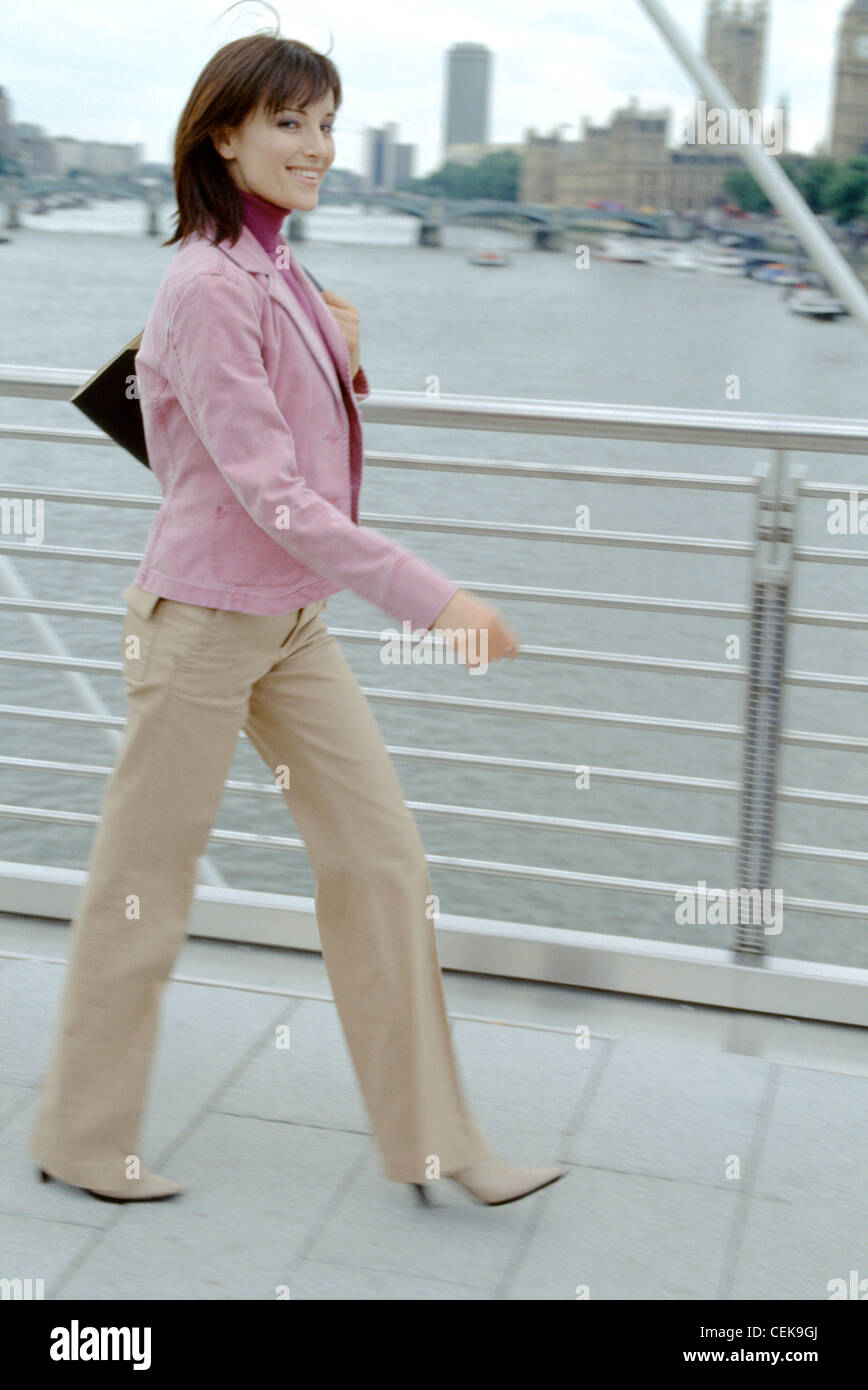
{"points": [[44, 1177]]}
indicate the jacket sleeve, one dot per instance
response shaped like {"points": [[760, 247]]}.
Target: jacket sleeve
{"points": [[214, 365]]}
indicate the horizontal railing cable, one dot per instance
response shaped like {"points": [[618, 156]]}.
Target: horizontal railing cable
{"points": [[496, 763], [563, 655], [846, 743], [584, 598], [589, 419]]}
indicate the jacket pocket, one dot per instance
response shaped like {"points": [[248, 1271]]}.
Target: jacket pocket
{"points": [[139, 633], [241, 552]]}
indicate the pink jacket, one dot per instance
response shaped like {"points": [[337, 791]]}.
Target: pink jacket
{"points": [[255, 437]]}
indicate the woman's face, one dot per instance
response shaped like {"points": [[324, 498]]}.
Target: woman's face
{"points": [[267, 154]]}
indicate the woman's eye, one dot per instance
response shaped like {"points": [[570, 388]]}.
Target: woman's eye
{"points": [[326, 127]]}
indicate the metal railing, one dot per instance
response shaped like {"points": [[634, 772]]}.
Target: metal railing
{"points": [[776, 490]]}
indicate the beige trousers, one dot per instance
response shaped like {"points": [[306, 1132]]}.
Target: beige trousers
{"points": [[194, 676]]}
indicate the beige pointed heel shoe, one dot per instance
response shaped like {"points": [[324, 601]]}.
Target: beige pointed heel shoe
{"points": [[150, 1187], [496, 1182]]}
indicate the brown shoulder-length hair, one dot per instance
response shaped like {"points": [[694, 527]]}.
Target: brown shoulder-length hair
{"points": [[261, 70]]}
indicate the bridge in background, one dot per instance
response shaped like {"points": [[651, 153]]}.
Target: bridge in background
{"points": [[545, 225]]}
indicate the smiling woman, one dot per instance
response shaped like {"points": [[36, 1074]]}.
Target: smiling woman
{"points": [[249, 383]]}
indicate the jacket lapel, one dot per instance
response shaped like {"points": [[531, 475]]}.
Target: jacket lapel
{"points": [[251, 255]]}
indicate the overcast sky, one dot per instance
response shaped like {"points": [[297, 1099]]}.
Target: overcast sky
{"points": [[117, 70]]}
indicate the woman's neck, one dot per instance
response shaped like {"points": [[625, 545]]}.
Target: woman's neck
{"points": [[264, 218]]}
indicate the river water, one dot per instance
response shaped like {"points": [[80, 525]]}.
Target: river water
{"points": [[78, 284]]}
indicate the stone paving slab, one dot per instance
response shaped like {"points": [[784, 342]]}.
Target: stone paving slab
{"points": [[626, 1235], [672, 1112], [255, 1190]]}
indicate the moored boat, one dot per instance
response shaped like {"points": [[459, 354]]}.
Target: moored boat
{"points": [[623, 248], [814, 302]]}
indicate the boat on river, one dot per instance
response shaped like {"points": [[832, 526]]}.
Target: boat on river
{"points": [[487, 256], [813, 301]]}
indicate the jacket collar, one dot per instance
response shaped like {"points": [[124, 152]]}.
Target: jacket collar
{"points": [[251, 255]]}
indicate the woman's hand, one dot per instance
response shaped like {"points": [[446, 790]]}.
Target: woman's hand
{"points": [[465, 611], [347, 316]]}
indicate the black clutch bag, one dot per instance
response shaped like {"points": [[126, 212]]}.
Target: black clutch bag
{"points": [[110, 398]]}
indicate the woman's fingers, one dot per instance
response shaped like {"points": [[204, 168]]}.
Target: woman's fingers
{"points": [[331, 297], [346, 316]]}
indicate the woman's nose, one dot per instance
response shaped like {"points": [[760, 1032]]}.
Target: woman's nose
{"points": [[317, 147]]}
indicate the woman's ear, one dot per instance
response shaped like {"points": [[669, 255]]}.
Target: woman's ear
{"points": [[222, 142]]}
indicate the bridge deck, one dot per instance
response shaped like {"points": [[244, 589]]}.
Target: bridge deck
{"points": [[284, 1185]]}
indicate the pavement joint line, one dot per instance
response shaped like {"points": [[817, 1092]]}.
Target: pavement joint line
{"points": [[746, 1193], [527, 1229], [296, 1124], [78, 1260], [717, 1186], [52, 1220], [343, 1185], [241, 986], [388, 1270], [586, 1099], [529, 1025]]}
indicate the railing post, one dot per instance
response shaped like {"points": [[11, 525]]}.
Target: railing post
{"points": [[771, 581]]}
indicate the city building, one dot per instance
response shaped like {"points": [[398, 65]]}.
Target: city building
{"points": [[468, 96], [472, 154], [735, 46], [25, 146], [5, 124], [390, 163], [850, 97], [736, 37], [32, 149], [627, 161], [99, 157], [631, 160], [405, 159]]}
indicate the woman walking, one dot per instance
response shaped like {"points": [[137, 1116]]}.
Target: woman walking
{"points": [[249, 382]]}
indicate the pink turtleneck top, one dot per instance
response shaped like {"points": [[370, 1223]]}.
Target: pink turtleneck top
{"points": [[265, 220]]}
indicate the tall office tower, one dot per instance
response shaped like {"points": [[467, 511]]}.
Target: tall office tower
{"points": [[850, 102], [381, 158], [468, 95], [403, 170], [735, 46]]}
